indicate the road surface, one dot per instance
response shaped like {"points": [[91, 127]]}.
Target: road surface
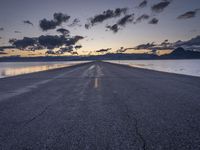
{"points": [[100, 106]]}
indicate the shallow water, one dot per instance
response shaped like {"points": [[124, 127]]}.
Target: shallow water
{"points": [[16, 68], [187, 67]]}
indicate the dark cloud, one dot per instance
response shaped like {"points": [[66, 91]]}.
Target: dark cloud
{"points": [[142, 17], [59, 18], [46, 41], [55, 41], [25, 42], [50, 41], [108, 14], [1, 28], [67, 49], [192, 42], [47, 24], [74, 40], [126, 19], [12, 40], [122, 22], [115, 28], [0, 37], [28, 22], [103, 50], [121, 50], [17, 31], [188, 15], [142, 4], [145, 46], [63, 31], [74, 53], [75, 22], [87, 26], [50, 52], [160, 6], [165, 43], [78, 47], [154, 21]]}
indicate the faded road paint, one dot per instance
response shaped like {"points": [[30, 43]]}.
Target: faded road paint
{"points": [[96, 83]]}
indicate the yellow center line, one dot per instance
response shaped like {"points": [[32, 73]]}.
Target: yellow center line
{"points": [[96, 83]]}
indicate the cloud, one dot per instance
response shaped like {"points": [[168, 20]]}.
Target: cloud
{"points": [[63, 31], [74, 40], [103, 50], [142, 17], [74, 53], [55, 41], [154, 21], [126, 19], [192, 42], [51, 41], [25, 42], [121, 50], [188, 15], [122, 22], [58, 19], [11, 41], [113, 28], [108, 14], [1, 29], [47, 24], [45, 41], [87, 26], [75, 22], [28, 22], [50, 52], [142, 4], [78, 47], [17, 31], [160, 6], [67, 49], [145, 46], [165, 45]]}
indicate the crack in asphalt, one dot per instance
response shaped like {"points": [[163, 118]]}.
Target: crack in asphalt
{"points": [[138, 132], [37, 116], [131, 117]]}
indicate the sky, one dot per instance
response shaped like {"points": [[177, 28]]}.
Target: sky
{"points": [[13, 13]]}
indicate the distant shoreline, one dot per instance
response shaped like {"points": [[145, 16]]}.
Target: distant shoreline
{"points": [[79, 58]]}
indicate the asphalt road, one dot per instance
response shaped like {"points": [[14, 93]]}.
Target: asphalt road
{"points": [[100, 106]]}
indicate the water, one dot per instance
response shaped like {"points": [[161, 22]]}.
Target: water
{"points": [[187, 67], [8, 69]]}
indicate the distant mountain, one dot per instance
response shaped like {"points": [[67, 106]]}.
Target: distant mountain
{"points": [[181, 53]]}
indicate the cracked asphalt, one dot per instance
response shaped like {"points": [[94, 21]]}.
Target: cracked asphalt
{"points": [[100, 106]]}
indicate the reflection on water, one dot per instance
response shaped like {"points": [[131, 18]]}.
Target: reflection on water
{"points": [[18, 71], [187, 67], [17, 68]]}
